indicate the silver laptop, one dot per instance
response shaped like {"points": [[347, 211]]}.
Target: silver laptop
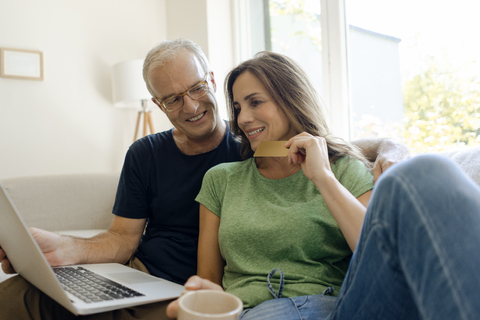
{"points": [[115, 286]]}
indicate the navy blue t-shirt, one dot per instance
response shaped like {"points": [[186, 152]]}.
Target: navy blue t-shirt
{"points": [[160, 183]]}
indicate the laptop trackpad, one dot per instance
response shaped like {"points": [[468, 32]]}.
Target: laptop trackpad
{"points": [[132, 277]]}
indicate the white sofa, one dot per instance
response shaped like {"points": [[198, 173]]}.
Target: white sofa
{"points": [[81, 205], [76, 204], [468, 159]]}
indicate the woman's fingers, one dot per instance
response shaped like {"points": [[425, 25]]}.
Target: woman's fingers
{"points": [[304, 143]]}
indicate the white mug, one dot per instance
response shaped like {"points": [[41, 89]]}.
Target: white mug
{"points": [[209, 304]]}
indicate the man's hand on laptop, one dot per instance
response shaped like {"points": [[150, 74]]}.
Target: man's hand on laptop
{"points": [[193, 283], [49, 243]]}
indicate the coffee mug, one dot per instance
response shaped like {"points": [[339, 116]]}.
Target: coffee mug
{"points": [[209, 304]]}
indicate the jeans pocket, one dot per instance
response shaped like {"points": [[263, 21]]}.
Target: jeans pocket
{"points": [[316, 307], [300, 301]]}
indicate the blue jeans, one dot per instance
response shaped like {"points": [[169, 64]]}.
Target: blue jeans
{"points": [[418, 256], [316, 307]]}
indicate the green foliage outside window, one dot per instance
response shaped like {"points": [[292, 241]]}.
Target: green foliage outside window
{"points": [[442, 109]]}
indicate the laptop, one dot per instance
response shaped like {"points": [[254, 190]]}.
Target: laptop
{"points": [[125, 287]]}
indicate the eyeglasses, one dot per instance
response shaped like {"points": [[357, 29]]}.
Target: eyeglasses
{"points": [[176, 102]]}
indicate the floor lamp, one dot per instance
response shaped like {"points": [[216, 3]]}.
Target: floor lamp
{"points": [[130, 91], [147, 120]]}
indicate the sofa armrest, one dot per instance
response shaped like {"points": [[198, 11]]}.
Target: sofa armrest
{"points": [[65, 202], [468, 159], [87, 233]]}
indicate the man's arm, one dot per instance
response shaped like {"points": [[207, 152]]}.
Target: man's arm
{"points": [[116, 245], [383, 152]]}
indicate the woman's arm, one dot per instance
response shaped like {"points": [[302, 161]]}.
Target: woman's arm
{"points": [[210, 262], [348, 211]]}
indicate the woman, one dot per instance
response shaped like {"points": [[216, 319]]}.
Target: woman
{"points": [[300, 215], [417, 253]]}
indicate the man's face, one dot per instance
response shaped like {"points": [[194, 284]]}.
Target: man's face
{"points": [[197, 119]]}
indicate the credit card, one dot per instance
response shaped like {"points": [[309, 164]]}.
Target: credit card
{"points": [[271, 149]]}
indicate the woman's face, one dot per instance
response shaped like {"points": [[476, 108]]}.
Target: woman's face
{"points": [[258, 115]]}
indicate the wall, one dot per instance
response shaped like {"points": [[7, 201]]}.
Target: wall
{"points": [[67, 123], [209, 24]]}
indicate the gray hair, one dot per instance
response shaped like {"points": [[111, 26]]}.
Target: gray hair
{"points": [[166, 50]]}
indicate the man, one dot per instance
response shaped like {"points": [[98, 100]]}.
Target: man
{"points": [[160, 178]]}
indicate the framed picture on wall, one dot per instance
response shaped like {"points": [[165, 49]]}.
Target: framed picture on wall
{"points": [[21, 64]]}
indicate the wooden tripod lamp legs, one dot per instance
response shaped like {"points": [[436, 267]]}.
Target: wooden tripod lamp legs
{"points": [[147, 121], [136, 127]]}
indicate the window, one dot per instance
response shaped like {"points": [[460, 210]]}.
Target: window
{"points": [[295, 31], [413, 65], [415, 68], [312, 33]]}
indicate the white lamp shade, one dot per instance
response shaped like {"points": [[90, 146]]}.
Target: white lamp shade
{"points": [[128, 86]]}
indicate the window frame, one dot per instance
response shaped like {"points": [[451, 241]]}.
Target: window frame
{"points": [[336, 88]]}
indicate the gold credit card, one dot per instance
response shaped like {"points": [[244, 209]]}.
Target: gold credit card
{"points": [[271, 149]]}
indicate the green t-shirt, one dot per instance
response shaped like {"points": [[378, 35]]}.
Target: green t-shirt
{"points": [[285, 224]]}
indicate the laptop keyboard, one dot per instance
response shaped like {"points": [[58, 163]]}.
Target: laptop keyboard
{"points": [[90, 286]]}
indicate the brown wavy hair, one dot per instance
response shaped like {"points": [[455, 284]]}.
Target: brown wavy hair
{"points": [[293, 92]]}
